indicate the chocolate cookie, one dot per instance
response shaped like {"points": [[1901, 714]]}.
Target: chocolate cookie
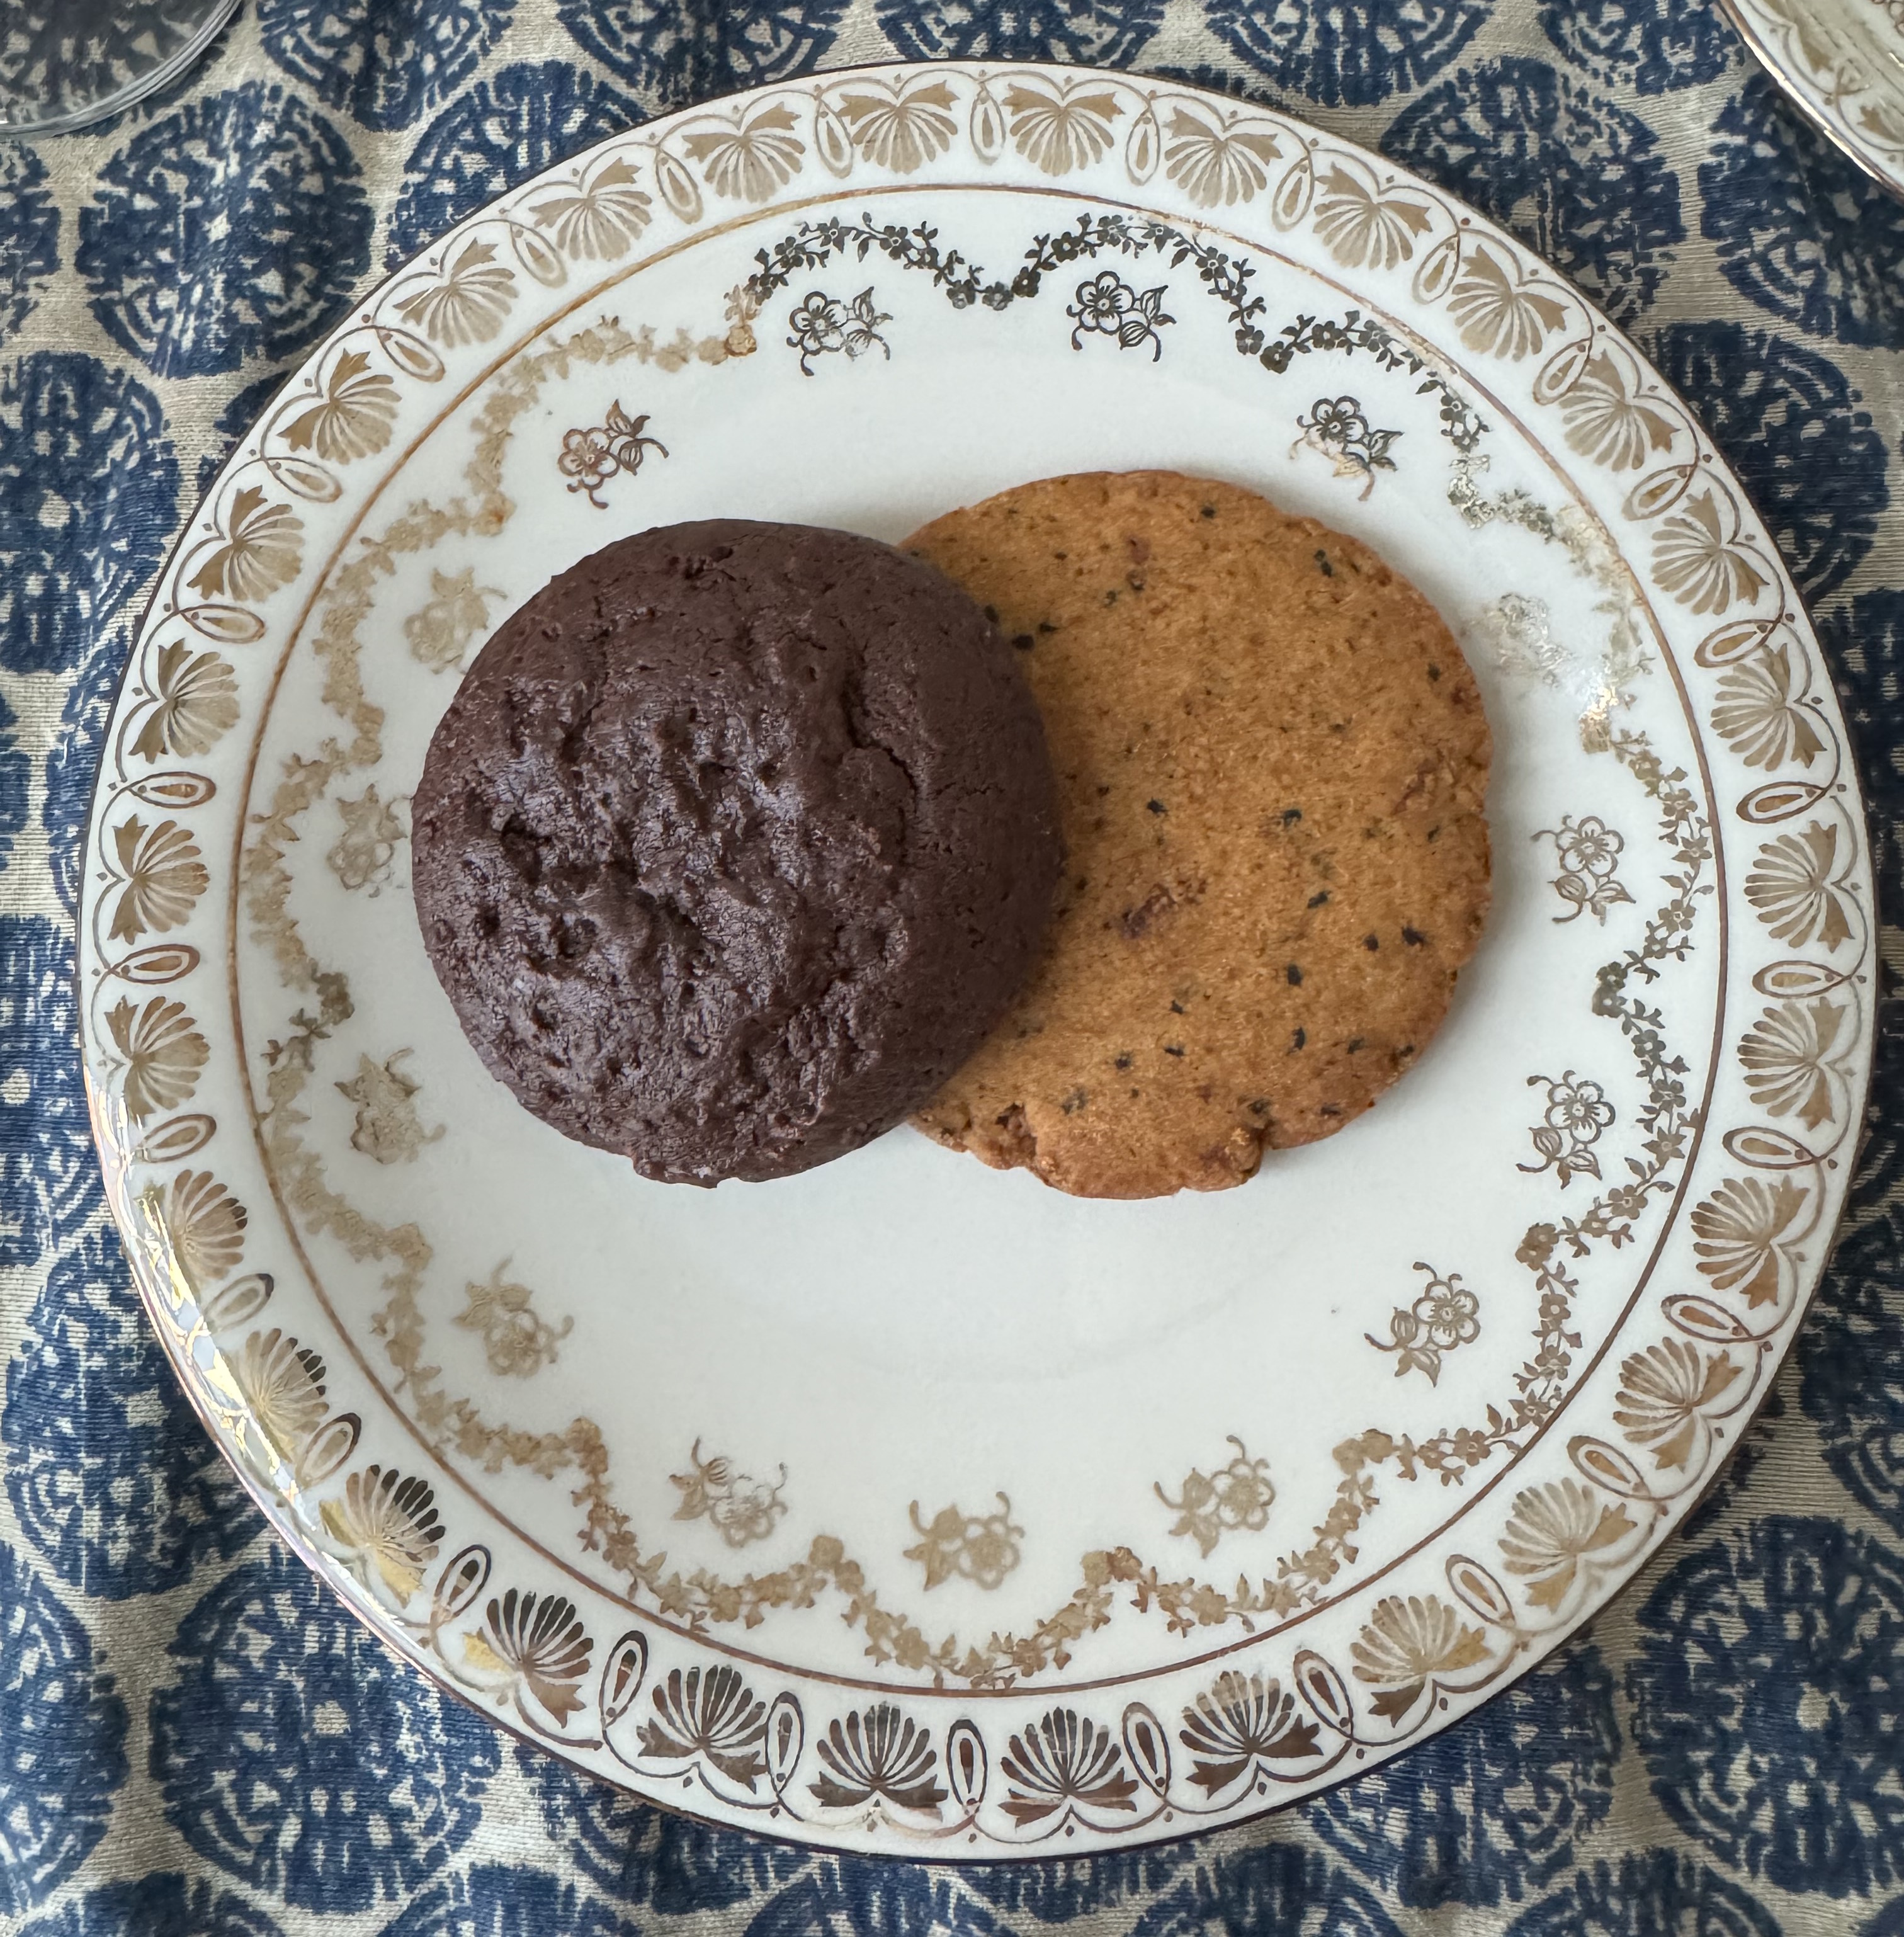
{"points": [[1271, 758], [735, 842]]}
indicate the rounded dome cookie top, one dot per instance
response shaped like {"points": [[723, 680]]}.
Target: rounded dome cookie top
{"points": [[1272, 758], [737, 839]]}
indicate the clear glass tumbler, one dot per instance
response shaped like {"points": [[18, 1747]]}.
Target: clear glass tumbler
{"points": [[64, 63]]}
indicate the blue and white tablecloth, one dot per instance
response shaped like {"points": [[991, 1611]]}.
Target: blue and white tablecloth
{"points": [[194, 1740]]}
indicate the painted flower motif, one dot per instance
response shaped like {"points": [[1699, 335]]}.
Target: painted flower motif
{"points": [[1699, 565], [1588, 846], [1754, 714], [352, 418], [164, 877], [878, 1753], [262, 550], [1236, 1497], [741, 1508], [598, 219], [1364, 229], [1793, 889], [1061, 1761], [516, 1341], [1788, 1059], [1059, 132], [164, 1053], [388, 1524], [363, 855], [540, 1640], [1551, 1533], [1213, 165], [206, 1225], [1663, 1394], [458, 613], [1607, 425], [468, 304], [901, 131], [1106, 305], [1406, 1645], [1240, 1721], [1450, 1313], [197, 704], [1578, 1107], [283, 1382], [749, 161], [711, 1713], [1498, 313], [388, 1129], [981, 1548], [1737, 1230]]}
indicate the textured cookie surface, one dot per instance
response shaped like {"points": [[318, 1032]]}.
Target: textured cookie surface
{"points": [[1272, 758], [736, 841]]}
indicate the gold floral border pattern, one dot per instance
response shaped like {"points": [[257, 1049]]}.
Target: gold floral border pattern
{"points": [[705, 1598], [989, 1778], [1844, 90]]}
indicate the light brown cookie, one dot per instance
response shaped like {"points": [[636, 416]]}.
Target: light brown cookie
{"points": [[1271, 759]]}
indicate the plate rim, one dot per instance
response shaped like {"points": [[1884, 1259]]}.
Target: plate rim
{"points": [[806, 1833], [1794, 89]]}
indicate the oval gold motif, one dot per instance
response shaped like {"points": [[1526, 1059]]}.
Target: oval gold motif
{"points": [[967, 1767], [1765, 1148], [1734, 642], [328, 1448], [1477, 1589], [1658, 491], [1796, 980], [410, 353], [1439, 268], [987, 125], [1779, 800], [1324, 1690], [238, 1302], [1607, 1466], [1701, 1318], [678, 187], [162, 962], [175, 789], [1147, 1747], [830, 140], [786, 1737], [541, 259], [306, 479], [461, 1579], [177, 1139], [231, 625], [1562, 370], [1141, 149], [622, 1676], [1295, 192]]}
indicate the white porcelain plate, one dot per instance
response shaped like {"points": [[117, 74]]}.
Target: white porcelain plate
{"points": [[1842, 63], [905, 1505]]}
